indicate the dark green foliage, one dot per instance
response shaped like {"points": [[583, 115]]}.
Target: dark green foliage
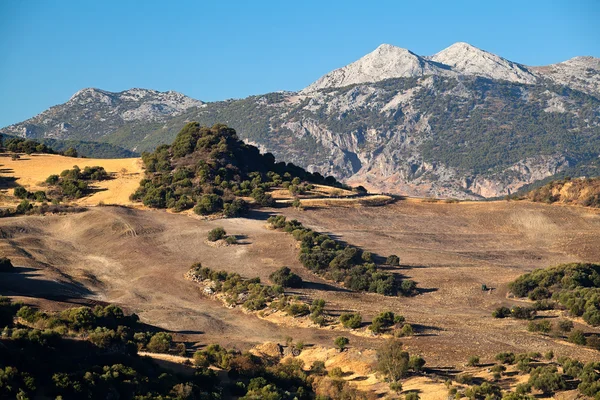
{"points": [[351, 320], [393, 260], [21, 145], [501, 312], [577, 337], [216, 234], [522, 312], [575, 286], [506, 358], [541, 326], [6, 265], [546, 379], [247, 292], [332, 260], [71, 152], [213, 169], [74, 183], [341, 342], [286, 278]]}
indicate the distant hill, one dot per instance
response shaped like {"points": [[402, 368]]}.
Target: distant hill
{"points": [[462, 123]]}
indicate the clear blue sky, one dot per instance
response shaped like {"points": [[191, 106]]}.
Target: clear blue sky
{"points": [[214, 50]]}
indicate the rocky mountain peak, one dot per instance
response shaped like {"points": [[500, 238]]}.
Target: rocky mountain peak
{"points": [[466, 59], [385, 62]]}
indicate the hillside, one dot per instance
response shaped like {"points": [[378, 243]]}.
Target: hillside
{"points": [[31, 171], [584, 192], [461, 123]]}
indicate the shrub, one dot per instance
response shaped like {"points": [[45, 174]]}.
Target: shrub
{"points": [[565, 326], [231, 240], [522, 312], [416, 363], [20, 192], [546, 379], [216, 234], [501, 312], [393, 260], [542, 326], [341, 342], [578, 337], [351, 320], [506, 358], [286, 278], [473, 361], [160, 343]]}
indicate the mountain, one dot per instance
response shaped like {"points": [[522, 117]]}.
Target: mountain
{"points": [[385, 62], [461, 123], [92, 113], [465, 59]]}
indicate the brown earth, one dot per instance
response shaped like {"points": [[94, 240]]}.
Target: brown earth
{"points": [[137, 258]]}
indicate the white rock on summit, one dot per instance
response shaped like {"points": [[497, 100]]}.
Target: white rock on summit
{"points": [[389, 61], [469, 60], [581, 73], [385, 62]]}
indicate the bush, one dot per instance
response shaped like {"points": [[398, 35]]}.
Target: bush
{"points": [[565, 326], [286, 278], [473, 361], [501, 312], [546, 379], [341, 342], [393, 260], [351, 320], [216, 234], [523, 312], [506, 358], [578, 337], [542, 326], [160, 343]]}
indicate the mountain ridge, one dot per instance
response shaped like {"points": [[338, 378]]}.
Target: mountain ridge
{"points": [[447, 133]]}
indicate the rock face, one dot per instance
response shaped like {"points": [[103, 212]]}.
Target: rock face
{"points": [[462, 123]]}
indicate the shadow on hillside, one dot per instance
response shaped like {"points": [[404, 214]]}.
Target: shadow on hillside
{"points": [[324, 286], [8, 182], [27, 282]]}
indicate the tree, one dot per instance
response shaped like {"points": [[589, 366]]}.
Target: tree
{"points": [[577, 337], [216, 234], [286, 278], [546, 379], [71, 152], [160, 343], [392, 360], [416, 363], [565, 326], [393, 260], [341, 342], [351, 320]]}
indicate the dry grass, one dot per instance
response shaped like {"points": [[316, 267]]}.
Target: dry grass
{"points": [[31, 172]]}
